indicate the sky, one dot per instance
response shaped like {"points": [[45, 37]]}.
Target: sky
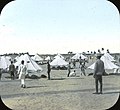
{"points": [[59, 26]]}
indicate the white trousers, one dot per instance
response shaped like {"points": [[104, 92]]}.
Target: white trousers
{"points": [[22, 81]]}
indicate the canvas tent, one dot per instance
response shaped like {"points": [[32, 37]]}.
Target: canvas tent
{"points": [[8, 57], [59, 62], [31, 64], [37, 58], [109, 57], [4, 62], [78, 55], [16, 58], [107, 63], [47, 58], [59, 55]]}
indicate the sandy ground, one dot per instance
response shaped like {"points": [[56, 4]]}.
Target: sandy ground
{"points": [[60, 93]]}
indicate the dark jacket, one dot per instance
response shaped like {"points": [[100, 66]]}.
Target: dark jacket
{"points": [[48, 68], [11, 68], [99, 68]]}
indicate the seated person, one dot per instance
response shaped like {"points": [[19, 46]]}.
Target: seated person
{"points": [[72, 74]]}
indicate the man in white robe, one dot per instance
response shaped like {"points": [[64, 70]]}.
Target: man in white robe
{"points": [[22, 71]]}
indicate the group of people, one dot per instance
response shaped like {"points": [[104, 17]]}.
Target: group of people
{"points": [[99, 70], [82, 67], [19, 72]]}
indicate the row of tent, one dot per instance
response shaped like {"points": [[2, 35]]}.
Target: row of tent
{"points": [[77, 56], [106, 58], [58, 61], [36, 58], [31, 64], [31, 61]]}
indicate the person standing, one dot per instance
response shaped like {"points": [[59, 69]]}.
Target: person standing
{"points": [[80, 62], [48, 70], [22, 71], [16, 72], [83, 68], [69, 67], [12, 70], [98, 72], [0, 73], [74, 63]]}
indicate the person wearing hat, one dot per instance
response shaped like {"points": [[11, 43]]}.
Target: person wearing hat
{"points": [[98, 72]]}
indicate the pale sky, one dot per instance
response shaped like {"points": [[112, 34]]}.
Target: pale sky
{"points": [[59, 26]]}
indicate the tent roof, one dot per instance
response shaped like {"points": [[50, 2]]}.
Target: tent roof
{"points": [[4, 62], [109, 57], [31, 64], [59, 55], [36, 57], [78, 55], [47, 58], [59, 62], [107, 63]]}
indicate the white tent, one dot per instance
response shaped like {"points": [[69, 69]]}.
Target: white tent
{"points": [[4, 62], [31, 64], [16, 58], [47, 58], [59, 55], [78, 55], [109, 57], [83, 57], [8, 57], [107, 63], [59, 62], [36, 57]]}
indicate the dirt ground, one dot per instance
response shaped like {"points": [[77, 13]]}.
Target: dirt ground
{"points": [[60, 93]]}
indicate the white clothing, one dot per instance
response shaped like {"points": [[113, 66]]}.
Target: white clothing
{"points": [[22, 81], [72, 74], [22, 71]]}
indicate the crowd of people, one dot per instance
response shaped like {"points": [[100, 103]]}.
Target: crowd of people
{"points": [[99, 70], [82, 66]]}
